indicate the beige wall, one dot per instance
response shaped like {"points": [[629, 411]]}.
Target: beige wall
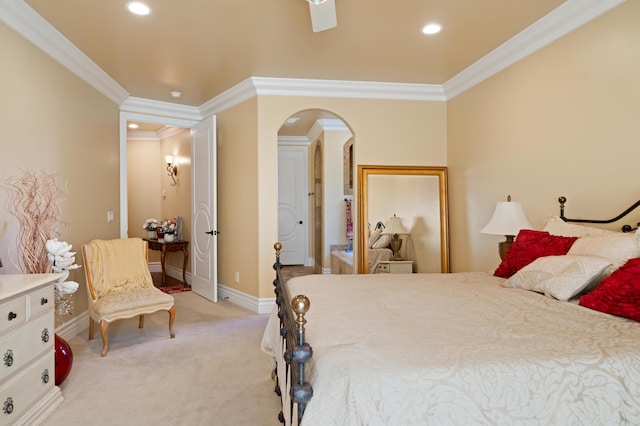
{"points": [[563, 121], [239, 196], [144, 170], [53, 122]]}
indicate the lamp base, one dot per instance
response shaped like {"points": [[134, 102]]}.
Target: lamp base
{"points": [[503, 247], [396, 244]]}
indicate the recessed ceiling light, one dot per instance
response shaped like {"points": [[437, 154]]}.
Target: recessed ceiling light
{"points": [[176, 94], [292, 121], [132, 126], [430, 29], [138, 8]]}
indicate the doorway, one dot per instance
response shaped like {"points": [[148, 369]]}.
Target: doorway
{"points": [[179, 184], [326, 136], [154, 193]]}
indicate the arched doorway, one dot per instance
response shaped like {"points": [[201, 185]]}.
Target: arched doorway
{"points": [[326, 135]]}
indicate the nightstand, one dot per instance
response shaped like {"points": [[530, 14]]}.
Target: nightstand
{"points": [[395, 267]]}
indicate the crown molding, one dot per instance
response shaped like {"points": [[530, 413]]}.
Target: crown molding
{"points": [[557, 23], [293, 141], [187, 113], [319, 126], [169, 131], [327, 125], [142, 135], [235, 95], [347, 89], [149, 135], [26, 22], [333, 124]]}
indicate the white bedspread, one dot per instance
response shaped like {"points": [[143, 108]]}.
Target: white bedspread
{"points": [[441, 349]]}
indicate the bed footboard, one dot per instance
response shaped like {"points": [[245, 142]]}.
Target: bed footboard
{"points": [[296, 351]]}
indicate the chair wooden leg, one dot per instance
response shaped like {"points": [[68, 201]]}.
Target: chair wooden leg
{"points": [[104, 325], [91, 324], [141, 321], [172, 316]]}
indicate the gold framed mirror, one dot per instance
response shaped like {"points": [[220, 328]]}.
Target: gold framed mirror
{"points": [[417, 195]]}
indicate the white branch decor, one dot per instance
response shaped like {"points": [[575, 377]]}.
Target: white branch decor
{"points": [[62, 259]]}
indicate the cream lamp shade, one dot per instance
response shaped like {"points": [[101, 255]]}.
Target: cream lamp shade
{"points": [[508, 219], [395, 227]]}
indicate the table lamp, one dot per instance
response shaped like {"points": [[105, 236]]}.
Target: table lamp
{"points": [[396, 228], [508, 219]]}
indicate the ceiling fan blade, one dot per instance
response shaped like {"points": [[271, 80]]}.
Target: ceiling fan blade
{"points": [[323, 15]]}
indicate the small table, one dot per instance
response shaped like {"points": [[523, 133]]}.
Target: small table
{"points": [[164, 247]]}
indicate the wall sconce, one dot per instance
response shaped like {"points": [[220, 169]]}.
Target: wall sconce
{"points": [[508, 219], [396, 228], [172, 169]]}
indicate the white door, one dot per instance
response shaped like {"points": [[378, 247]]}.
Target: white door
{"points": [[204, 247], [293, 187]]}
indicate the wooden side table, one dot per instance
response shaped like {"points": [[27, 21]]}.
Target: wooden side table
{"points": [[164, 247]]}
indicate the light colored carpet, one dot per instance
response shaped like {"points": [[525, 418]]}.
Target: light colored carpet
{"points": [[212, 373]]}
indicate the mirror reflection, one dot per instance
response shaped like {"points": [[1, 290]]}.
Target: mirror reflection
{"points": [[408, 204]]}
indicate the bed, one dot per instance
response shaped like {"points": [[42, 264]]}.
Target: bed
{"points": [[378, 247], [465, 348]]}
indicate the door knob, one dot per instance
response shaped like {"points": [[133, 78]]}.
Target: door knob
{"points": [[212, 232], [300, 222]]}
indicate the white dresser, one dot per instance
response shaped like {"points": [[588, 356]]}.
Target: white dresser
{"points": [[27, 390]]}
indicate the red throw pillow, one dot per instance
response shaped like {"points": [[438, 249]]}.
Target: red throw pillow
{"points": [[530, 245], [619, 293]]}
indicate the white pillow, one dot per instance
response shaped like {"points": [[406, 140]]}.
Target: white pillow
{"points": [[556, 226], [561, 277], [617, 247], [373, 237], [382, 242]]}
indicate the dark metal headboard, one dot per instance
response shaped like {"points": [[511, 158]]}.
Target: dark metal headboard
{"points": [[625, 228]]}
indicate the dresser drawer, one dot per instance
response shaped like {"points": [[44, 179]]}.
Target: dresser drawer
{"points": [[21, 392], [20, 346], [41, 300], [12, 313]]}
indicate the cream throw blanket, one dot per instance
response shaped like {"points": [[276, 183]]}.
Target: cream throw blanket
{"points": [[119, 265]]}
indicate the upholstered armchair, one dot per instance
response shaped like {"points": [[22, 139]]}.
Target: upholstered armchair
{"points": [[119, 285]]}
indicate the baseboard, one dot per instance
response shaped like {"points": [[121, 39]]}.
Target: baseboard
{"points": [[252, 303], [74, 326], [155, 267], [78, 324], [171, 271], [42, 409]]}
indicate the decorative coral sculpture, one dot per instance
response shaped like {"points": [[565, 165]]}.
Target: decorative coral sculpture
{"points": [[62, 259]]}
